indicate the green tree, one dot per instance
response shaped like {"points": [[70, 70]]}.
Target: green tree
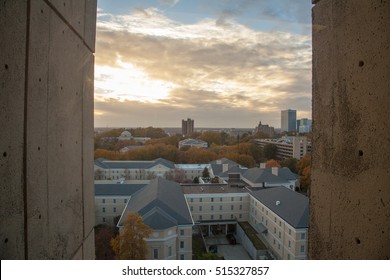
{"points": [[269, 151], [291, 163], [130, 243], [205, 173]]}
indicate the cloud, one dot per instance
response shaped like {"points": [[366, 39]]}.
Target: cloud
{"points": [[207, 69]]}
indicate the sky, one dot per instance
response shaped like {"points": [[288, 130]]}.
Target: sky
{"points": [[223, 63]]}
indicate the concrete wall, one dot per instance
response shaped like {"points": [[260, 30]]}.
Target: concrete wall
{"points": [[350, 192], [46, 143]]}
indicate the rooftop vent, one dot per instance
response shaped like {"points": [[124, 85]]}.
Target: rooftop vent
{"points": [[277, 202]]}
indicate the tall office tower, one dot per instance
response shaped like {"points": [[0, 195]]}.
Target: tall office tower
{"points": [[289, 120], [187, 126]]}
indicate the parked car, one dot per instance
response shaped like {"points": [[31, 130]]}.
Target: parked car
{"points": [[232, 240]]}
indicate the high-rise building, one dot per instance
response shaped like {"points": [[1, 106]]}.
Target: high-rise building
{"points": [[187, 126], [304, 125], [289, 120]]}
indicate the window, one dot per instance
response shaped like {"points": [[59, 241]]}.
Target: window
{"points": [[114, 209], [280, 234], [262, 218], [220, 207], [280, 223], [125, 200], [288, 257], [279, 246], [104, 220], [220, 217], [274, 229], [181, 244], [302, 248], [200, 199], [192, 208], [104, 209], [212, 208], [266, 222], [289, 231], [240, 216], [232, 198], [275, 219], [212, 217], [266, 212], [103, 201], [182, 257], [155, 254], [303, 236], [231, 216], [191, 199], [289, 244], [200, 217], [262, 209], [169, 251], [182, 232], [212, 199], [240, 206], [200, 208], [232, 207], [114, 200], [274, 241], [241, 198], [220, 199]]}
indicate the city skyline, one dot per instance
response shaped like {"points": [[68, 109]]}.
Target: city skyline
{"points": [[225, 63]]}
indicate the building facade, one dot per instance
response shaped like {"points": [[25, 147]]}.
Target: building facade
{"points": [[288, 147], [289, 120], [187, 127], [193, 143], [265, 128], [304, 125]]}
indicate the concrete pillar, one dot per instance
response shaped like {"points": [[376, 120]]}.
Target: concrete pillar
{"points": [[350, 191], [46, 143]]}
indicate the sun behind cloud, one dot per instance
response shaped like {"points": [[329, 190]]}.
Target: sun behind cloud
{"points": [[127, 82]]}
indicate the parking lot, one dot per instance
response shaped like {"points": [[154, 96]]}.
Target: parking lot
{"points": [[229, 252]]}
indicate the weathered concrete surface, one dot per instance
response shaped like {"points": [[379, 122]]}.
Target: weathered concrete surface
{"points": [[50, 100], [12, 77], [350, 192]]}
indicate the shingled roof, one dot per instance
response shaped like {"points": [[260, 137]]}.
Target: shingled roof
{"points": [[161, 204], [293, 207], [117, 189]]}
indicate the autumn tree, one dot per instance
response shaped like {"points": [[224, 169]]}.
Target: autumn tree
{"points": [[304, 171], [272, 163], [103, 235], [130, 243], [176, 175]]}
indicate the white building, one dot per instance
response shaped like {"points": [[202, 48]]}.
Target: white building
{"points": [[193, 143], [288, 147]]}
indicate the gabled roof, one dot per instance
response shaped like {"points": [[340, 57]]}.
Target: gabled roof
{"points": [[293, 206], [160, 197], [286, 173], [132, 164], [233, 169], [117, 189], [259, 175]]}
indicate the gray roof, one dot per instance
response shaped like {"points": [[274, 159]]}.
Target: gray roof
{"points": [[117, 189], [233, 169], [132, 164], [286, 173], [293, 207], [260, 175], [160, 198]]}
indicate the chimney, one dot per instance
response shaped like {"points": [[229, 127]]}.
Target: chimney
{"points": [[277, 202], [275, 171], [225, 167]]}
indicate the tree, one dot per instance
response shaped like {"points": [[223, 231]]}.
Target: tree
{"points": [[205, 173], [269, 151], [215, 180], [130, 243], [103, 235], [291, 163], [196, 180], [304, 171], [176, 175], [272, 163]]}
